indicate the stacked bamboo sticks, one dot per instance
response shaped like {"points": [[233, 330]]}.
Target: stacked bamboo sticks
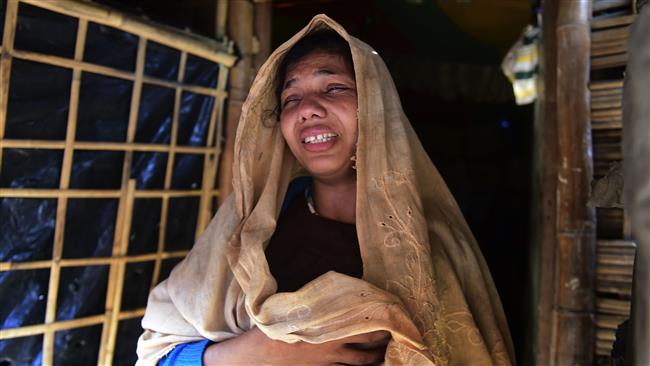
{"points": [[615, 262], [609, 36], [606, 115], [146, 31], [615, 249]]}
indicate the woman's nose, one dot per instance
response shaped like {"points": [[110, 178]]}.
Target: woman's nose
{"points": [[310, 107]]}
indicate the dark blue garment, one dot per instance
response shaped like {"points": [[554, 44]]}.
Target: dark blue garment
{"points": [[186, 354], [191, 354]]}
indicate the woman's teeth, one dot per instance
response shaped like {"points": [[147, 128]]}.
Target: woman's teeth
{"points": [[318, 139]]}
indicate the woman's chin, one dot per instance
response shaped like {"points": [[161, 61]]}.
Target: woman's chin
{"points": [[332, 173]]}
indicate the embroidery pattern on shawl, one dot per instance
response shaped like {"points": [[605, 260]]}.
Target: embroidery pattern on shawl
{"points": [[499, 354], [462, 321], [419, 287]]}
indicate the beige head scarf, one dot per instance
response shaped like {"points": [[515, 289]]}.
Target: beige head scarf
{"points": [[424, 278]]}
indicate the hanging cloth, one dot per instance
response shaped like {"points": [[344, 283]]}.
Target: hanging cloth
{"points": [[521, 66]]}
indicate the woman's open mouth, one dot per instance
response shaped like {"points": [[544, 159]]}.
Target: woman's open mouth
{"points": [[320, 138], [319, 142]]}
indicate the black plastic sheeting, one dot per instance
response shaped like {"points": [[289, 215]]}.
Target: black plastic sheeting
{"points": [[38, 107]]}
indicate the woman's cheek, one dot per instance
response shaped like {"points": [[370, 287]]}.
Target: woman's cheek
{"points": [[284, 128]]}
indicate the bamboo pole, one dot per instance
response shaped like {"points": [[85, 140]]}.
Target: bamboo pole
{"points": [[608, 155], [221, 19], [124, 315], [105, 146], [240, 28], [606, 93], [211, 160], [606, 335], [607, 135], [164, 210], [95, 193], [123, 223], [613, 306], [600, 5], [602, 349], [62, 202], [31, 330], [619, 33], [606, 103], [607, 119], [626, 244], [168, 36], [113, 307], [207, 181], [109, 71], [603, 62], [595, 125], [609, 49], [608, 84], [621, 278], [210, 163], [99, 261], [263, 30], [614, 271], [50, 328], [609, 321], [612, 22], [615, 259], [606, 98], [602, 44], [225, 72], [614, 287], [11, 15], [606, 113]]}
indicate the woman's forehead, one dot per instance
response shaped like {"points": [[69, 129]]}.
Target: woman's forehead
{"points": [[318, 63]]}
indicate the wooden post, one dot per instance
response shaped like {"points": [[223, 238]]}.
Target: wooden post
{"points": [[240, 30], [576, 252], [567, 255], [263, 29], [221, 19], [545, 157]]}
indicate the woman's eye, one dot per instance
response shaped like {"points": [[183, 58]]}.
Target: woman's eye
{"points": [[290, 100], [336, 88]]}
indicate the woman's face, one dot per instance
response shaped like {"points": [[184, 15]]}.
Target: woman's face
{"points": [[318, 115]]}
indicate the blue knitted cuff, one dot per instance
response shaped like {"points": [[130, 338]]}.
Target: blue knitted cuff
{"points": [[186, 354]]}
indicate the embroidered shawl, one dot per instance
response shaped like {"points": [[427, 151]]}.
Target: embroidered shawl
{"points": [[424, 278]]}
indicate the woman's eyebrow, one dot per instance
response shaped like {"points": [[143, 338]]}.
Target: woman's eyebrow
{"points": [[288, 83], [317, 72], [324, 72]]}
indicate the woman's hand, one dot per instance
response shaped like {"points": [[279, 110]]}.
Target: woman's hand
{"points": [[255, 348]]}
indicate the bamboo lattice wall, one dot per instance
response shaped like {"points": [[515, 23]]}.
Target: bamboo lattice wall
{"points": [[615, 248], [189, 46]]}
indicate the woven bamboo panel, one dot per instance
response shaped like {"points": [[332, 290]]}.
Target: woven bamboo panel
{"points": [[189, 46], [615, 249]]}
